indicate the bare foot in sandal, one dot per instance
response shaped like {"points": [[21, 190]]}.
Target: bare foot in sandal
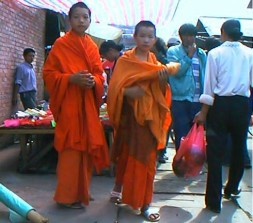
{"points": [[116, 195], [35, 217], [150, 215]]}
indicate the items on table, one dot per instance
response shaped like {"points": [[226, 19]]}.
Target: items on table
{"points": [[30, 117]]}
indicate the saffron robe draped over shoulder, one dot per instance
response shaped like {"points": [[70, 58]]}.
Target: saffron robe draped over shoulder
{"points": [[140, 125], [153, 108], [76, 109]]}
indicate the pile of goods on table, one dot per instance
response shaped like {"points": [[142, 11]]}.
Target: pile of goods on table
{"points": [[31, 117], [43, 117]]}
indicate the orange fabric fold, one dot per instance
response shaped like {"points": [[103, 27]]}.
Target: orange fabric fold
{"points": [[76, 109], [153, 107], [137, 178], [73, 177], [140, 125]]}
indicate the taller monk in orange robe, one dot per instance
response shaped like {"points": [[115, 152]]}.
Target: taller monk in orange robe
{"points": [[138, 106], [73, 78]]}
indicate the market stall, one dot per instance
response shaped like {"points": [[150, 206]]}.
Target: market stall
{"points": [[36, 136], [35, 144], [210, 26]]}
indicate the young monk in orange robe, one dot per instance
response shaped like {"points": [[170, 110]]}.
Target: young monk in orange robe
{"points": [[73, 78], [138, 106]]}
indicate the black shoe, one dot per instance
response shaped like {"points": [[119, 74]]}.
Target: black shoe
{"points": [[213, 209], [162, 160], [76, 205], [166, 157], [247, 165], [234, 193]]}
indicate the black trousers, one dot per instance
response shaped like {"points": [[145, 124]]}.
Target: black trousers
{"points": [[228, 115]]}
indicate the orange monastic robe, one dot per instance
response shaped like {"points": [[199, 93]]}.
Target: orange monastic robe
{"points": [[140, 125], [79, 136]]}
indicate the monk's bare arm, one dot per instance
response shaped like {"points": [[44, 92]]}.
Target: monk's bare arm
{"points": [[163, 76]]}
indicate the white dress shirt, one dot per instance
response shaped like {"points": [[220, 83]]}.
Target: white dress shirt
{"points": [[229, 72]]}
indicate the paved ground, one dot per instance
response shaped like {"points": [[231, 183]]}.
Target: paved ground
{"points": [[179, 200]]}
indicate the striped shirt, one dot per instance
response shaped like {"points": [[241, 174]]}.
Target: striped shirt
{"points": [[195, 70]]}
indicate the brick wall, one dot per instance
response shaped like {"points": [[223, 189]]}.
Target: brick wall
{"points": [[20, 27]]}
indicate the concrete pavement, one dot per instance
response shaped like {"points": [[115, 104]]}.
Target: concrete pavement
{"points": [[179, 200]]}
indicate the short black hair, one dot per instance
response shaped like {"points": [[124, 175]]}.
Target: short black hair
{"points": [[28, 50], [79, 5], [160, 45], [232, 28], [109, 44], [144, 23], [188, 29]]}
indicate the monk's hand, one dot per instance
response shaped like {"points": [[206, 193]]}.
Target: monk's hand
{"points": [[83, 79], [163, 76], [134, 92], [89, 81]]}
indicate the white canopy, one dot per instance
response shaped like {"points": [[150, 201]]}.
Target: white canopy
{"points": [[167, 15]]}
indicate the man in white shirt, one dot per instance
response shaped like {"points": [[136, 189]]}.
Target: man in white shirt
{"points": [[229, 74]]}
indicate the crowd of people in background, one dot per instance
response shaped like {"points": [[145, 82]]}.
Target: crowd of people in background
{"points": [[150, 90]]}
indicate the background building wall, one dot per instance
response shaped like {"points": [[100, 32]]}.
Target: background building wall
{"points": [[20, 27]]}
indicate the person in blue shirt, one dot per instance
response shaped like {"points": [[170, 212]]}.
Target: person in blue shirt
{"points": [[25, 81], [187, 84]]}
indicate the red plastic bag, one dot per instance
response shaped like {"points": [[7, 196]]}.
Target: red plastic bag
{"points": [[191, 155]]}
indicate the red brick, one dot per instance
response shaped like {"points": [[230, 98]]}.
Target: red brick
{"points": [[20, 27]]}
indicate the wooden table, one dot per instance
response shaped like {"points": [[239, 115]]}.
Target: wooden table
{"points": [[37, 142]]}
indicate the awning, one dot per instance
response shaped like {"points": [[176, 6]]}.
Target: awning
{"points": [[101, 32], [210, 26], [250, 6], [116, 12]]}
